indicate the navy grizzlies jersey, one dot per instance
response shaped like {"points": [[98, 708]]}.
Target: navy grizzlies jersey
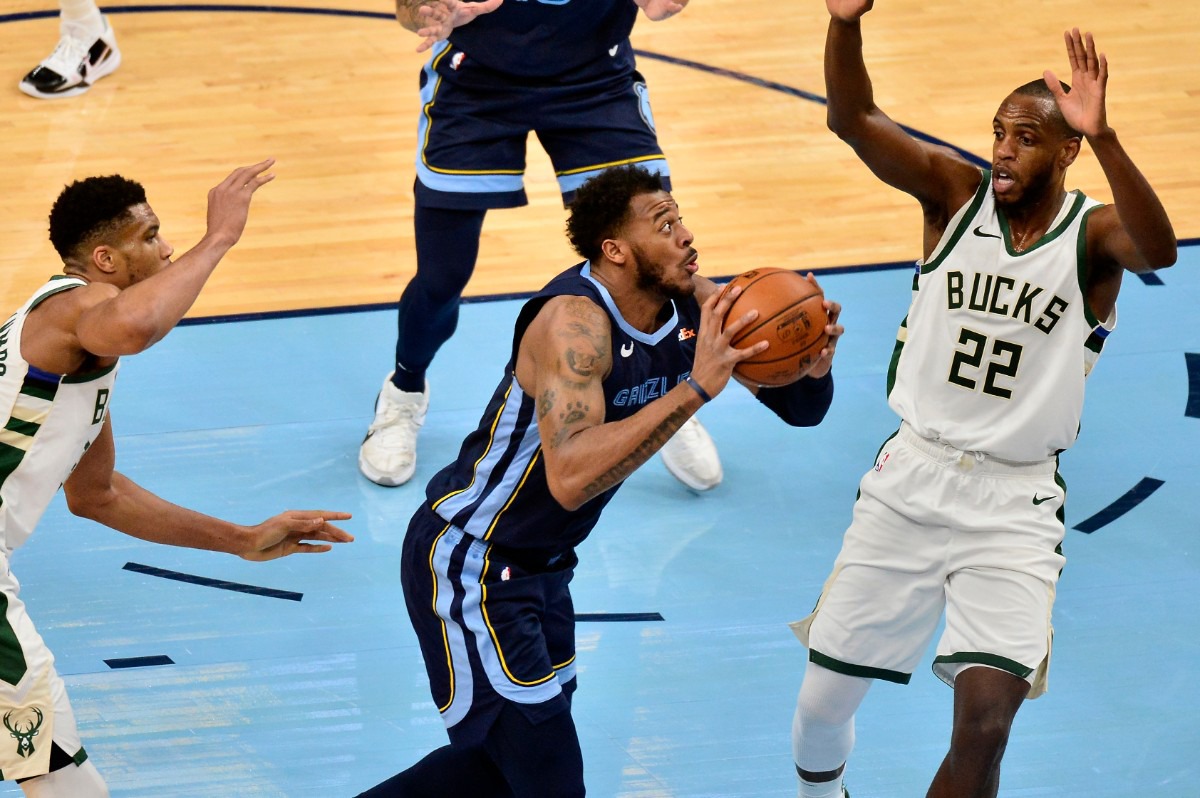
{"points": [[496, 490], [543, 38]]}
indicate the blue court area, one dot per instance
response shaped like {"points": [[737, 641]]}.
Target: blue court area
{"points": [[302, 678]]}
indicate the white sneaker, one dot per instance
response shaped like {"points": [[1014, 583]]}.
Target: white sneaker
{"points": [[388, 455], [691, 457], [80, 59]]}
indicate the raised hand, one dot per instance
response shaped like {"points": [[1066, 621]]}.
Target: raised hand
{"points": [[229, 202], [848, 10], [438, 18], [1083, 106], [657, 10], [288, 533]]}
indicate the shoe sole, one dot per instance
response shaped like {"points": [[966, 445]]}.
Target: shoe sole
{"points": [[104, 69], [379, 478], [688, 481]]}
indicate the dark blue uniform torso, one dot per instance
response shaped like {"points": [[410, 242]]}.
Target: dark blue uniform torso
{"points": [[496, 490], [542, 38]]}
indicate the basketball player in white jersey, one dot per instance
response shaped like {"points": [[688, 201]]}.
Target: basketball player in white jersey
{"points": [[963, 509], [59, 354]]}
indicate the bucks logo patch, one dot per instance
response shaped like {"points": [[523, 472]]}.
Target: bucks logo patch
{"points": [[24, 725]]}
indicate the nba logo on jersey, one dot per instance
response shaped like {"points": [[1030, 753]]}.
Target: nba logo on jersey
{"points": [[506, 574], [457, 59]]}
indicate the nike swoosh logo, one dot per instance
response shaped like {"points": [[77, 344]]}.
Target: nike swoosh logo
{"points": [[627, 349], [979, 232], [613, 50], [1036, 500]]}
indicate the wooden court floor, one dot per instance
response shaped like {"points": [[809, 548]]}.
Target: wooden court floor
{"points": [[735, 84]]}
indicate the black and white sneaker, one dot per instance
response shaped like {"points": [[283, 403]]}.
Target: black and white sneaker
{"points": [[77, 62]]}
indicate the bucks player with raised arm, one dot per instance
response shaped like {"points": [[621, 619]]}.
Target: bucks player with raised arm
{"points": [[963, 509], [608, 360], [59, 354]]}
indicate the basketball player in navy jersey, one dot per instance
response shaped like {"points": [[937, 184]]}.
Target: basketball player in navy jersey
{"points": [[963, 509], [563, 69], [608, 360]]}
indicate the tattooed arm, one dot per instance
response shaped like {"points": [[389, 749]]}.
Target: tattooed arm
{"points": [[563, 358]]}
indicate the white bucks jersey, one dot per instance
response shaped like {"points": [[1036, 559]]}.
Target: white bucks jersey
{"points": [[993, 354], [51, 420]]}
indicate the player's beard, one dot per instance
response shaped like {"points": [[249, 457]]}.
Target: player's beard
{"points": [[655, 277]]}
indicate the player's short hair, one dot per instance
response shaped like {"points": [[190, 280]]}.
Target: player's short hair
{"points": [[601, 206], [1039, 89], [92, 207]]}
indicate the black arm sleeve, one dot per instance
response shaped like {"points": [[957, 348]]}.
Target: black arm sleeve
{"points": [[801, 404]]}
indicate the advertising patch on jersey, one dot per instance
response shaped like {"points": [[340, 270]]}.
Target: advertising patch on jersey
{"points": [[643, 94], [686, 333]]}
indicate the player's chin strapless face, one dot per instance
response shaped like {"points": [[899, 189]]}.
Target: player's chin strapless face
{"points": [[666, 274], [146, 252], [1025, 144]]}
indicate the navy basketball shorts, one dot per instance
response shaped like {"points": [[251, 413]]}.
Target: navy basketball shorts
{"points": [[475, 123], [491, 630]]}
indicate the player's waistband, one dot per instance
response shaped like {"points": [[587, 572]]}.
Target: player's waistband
{"points": [[536, 560], [977, 462]]}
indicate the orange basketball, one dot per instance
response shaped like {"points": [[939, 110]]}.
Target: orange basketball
{"points": [[791, 318]]}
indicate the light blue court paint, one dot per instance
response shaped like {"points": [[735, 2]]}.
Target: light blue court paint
{"points": [[324, 696]]}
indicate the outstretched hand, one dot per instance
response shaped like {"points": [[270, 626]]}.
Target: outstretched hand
{"points": [[229, 202], [439, 18], [848, 10], [657, 10], [1083, 106], [288, 533]]}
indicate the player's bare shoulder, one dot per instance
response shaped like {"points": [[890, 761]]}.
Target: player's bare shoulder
{"points": [[571, 335], [50, 338], [581, 334]]}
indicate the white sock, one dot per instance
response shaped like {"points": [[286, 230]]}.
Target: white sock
{"points": [[823, 727], [81, 16], [823, 789]]}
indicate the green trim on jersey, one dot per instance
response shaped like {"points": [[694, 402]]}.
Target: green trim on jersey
{"points": [[89, 375], [27, 428], [24, 423], [985, 183], [837, 666], [76, 282], [1076, 205], [980, 658], [901, 340], [38, 392], [1081, 259], [12, 658]]}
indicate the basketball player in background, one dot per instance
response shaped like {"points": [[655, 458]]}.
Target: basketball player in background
{"points": [[498, 71], [59, 355], [963, 510], [608, 361], [86, 51]]}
